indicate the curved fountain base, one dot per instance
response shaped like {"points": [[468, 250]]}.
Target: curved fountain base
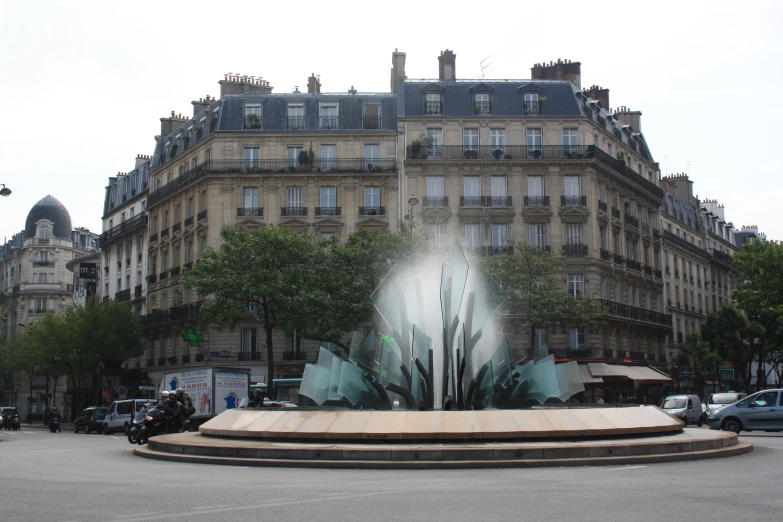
{"points": [[444, 439]]}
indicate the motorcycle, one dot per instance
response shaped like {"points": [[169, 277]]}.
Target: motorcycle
{"points": [[54, 425], [15, 424], [156, 422], [137, 425]]}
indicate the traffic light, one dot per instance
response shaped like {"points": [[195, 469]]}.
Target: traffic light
{"points": [[144, 382]]}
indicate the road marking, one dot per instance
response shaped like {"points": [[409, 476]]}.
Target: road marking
{"points": [[622, 469], [219, 506], [769, 447], [146, 513], [115, 438]]}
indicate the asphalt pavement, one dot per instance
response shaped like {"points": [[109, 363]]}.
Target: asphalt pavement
{"points": [[68, 477]]}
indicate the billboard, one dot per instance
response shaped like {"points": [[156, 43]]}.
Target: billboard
{"points": [[230, 389], [197, 384]]}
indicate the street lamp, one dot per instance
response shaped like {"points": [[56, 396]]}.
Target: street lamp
{"points": [[412, 201], [5, 191]]}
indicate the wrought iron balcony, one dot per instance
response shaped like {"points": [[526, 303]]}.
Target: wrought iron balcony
{"points": [[618, 259], [471, 201], [293, 211], [153, 237], [602, 206], [485, 201], [624, 311], [328, 211], [175, 314], [164, 233], [646, 228], [185, 359], [615, 212], [188, 265], [648, 270], [201, 215], [498, 201], [329, 122], [536, 201], [573, 201], [294, 356], [509, 152], [482, 108], [161, 361], [177, 227], [137, 291], [433, 108], [721, 256], [658, 274], [296, 123], [372, 122], [500, 250], [532, 108], [633, 265], [248, 356], [605, 255], [122, 295], [632, 221], [574, 250], [163, 276], [250, 211], [123, 228], [43, 263], [372, 211], [435, 201]]}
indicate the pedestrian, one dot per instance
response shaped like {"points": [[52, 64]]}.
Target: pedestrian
{"points": [[599, 401]]}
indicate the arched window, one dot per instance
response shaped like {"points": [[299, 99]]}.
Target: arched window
{"points": [[44, 232]]}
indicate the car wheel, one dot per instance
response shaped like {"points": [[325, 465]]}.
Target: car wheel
{"points": [[105, 429], [126, 429], [75, 429], [732, 424], [699, 423]]}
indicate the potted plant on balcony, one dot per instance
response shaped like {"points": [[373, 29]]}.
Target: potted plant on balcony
{"points": [[174, 271], [253, 121], [151, 278], [154, 309], [497, 153], [416, 148], [306, 158]]}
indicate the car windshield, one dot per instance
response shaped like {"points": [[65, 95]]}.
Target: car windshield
{"points": [[723, 398], [100, 413], [673, 404]]}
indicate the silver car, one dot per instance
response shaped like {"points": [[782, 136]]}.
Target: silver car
{"points": [[762, 411], [718, 401]]}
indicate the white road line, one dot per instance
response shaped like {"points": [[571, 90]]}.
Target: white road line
{"points": [[769, 447], [115, 438], [146, 513], [621, 469], [219, 506]]}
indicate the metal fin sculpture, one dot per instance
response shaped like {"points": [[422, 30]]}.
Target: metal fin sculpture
{"points": [[440, 349]]}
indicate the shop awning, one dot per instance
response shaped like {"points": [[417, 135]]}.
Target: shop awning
{"points": [[645, 374], [587, 377], [605, 370]]}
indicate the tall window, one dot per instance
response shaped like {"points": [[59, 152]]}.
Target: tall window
{"points": [[604, 289], [472, 235], [576, 284], [437, 234], [530, 104], [434, 143], [535, 190], [249, 343], [497, 142], [481, 104], [372, 197], [433, 104], [470, 139], [498, 186], [604, 237], [435, 186], [295, 116], [536, 235], [499, 234], [372, 155], [44, 232], [252, 116], [533, 140], [328, 157], [189, 207], [328, 201], [571, 186], [329, 116], [570, 140], [617, 248], [577, 338], [372, 115], [250, 197], [252, 157], [293, 152], [471, 191], [574, 234], [294, 197]]}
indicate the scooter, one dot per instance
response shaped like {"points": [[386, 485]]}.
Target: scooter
{"points": [[15, 424], [137, 425], [156, 422], [54, 425]]}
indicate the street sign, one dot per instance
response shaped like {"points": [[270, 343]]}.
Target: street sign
{"points": [[214, 354], [122, 390], [726, 373], [122, 397], [152, 388]]}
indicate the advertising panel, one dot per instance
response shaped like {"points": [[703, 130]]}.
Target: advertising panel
{"points": [[230, 389], [197, 384]]}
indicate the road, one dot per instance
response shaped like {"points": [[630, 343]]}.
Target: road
{"points": [[68, 477]]}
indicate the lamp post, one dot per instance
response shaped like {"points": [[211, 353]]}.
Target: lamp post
{"points": [[5, 191], [412, 201]]}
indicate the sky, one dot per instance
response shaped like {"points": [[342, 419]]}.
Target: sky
{"points": [[84, 84]]}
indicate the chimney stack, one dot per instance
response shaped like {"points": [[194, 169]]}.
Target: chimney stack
{"points": [[447, 66], [314, 84], [629, 117], [560, 70], [141, 159], [397, 70], [235, 83], [600, 94]]}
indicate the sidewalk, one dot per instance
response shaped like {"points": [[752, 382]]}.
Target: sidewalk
{"points": [[63, 426]]}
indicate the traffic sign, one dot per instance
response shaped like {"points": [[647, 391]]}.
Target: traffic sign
{"points": [[122, 390], [726, 373], [122, 397], [146, 387]]}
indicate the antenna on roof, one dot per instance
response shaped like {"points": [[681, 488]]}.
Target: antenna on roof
{"points": [[485, 67]]}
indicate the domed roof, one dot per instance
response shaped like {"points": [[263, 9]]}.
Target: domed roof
{"points": [[49, 208]]}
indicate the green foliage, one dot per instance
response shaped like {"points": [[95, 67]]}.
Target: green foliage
{"points": [[725, 330], [533, 279], [697, 357]]}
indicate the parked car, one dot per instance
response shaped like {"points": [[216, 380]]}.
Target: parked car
{"points": [[762, 411], [687, 408], [120, 415], [718, 401], [90, 419]]}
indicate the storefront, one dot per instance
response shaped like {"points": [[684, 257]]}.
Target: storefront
{"points": [[623, 383]]}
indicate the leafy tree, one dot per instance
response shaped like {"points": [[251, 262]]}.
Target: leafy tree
{"points": [[24, 356], [758, 292], [533, 279], [725, 330], [697, 357], [43, 336]]}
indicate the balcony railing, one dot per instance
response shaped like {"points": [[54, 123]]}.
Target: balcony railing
{"points": [[648, 270], [532, 108], [189, 221], [482, 108], [188, 265], [328, 211], [536, 201], [615, 212], [248, 356], [43, 263], [646, 228], [618, 259], [372, 211], [293, 211], [721, 256], [658, 274], [296, 123], [161, 361], [485, 201], [122, 295], [433, 108], [624, 311], [509, 152], [153, 237], [163, 276], [435, 201], [174, 314], [137, 291], [633, 265], [201, 216], [574, 250], [177, 227], [602, 206], [164, 233], [329, 122], [500, 250], [372, 122], [605, 255], [632, 221], [250, 211], [573, 201]]}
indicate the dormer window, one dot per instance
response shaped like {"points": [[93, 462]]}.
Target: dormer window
{"points": [[531, 104], [329, 117], [253, 116], [44, 232], [213, 123], [482, 105], [433, 104], [296, 119]]}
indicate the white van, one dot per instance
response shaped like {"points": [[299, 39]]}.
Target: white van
{"points": [[687, 408], [121, 413]]}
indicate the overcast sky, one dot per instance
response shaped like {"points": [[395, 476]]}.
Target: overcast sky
{"points": [[84, 84]]}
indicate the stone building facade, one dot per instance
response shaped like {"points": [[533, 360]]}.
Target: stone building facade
{"points": [[548, 164]]}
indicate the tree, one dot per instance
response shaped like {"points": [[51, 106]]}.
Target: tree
{"points": [[43, 336], [533, 279], [725, 331], [697, 357], [24, 356], [758, 292]]}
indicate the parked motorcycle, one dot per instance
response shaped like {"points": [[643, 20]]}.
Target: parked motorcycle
{"points": [[156, 422], [16, 425], [54, 425]]}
